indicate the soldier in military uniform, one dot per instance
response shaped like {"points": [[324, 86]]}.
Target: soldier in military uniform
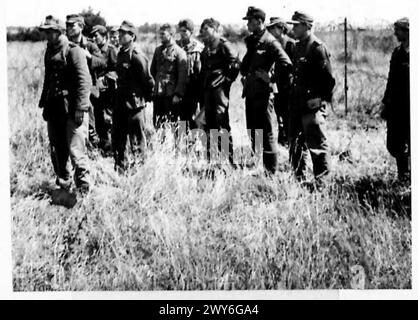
{"points": [[264, 57], [134, 90], [220, 67], [65, 104], [279, 29], [103, 105], [193, 49], [396, 102], [311, 90], [114, 37], [169, 69], [96, 62]]}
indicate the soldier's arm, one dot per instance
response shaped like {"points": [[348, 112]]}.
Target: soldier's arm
{"points": [[325, 81], [389, 85], [233, 62], [111, 64], [44, 93], [154, 63], [81, 77], [97, 61], [142, 71], [282, 66], [182, 77]]}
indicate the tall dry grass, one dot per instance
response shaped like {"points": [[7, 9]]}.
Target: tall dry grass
{"points": [[166, 226]]}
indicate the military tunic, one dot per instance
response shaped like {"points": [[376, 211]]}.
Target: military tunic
{"points": [[220, 67], [191, 97], [66, 89], [96, 64], [397, 109], [169, 69], [134, 89], [313, 81], [281, 97], [103, 105], [264, 54]]}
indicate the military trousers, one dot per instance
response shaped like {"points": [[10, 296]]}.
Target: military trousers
{"points": [[398, 142], [281, 106], [187, 109], [218, 129], [259, 112], [103, 106], [165, 111], [127, 123], [307, 135], [68, 143]]}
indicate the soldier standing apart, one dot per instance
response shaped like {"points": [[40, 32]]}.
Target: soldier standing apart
{"points": [[312, 88], [396, 102], [65, 103], [264, 55], [169, 69], [193, 49], [220, 67], [134, 89], [106, 83], [279, 29], [95, 60]]}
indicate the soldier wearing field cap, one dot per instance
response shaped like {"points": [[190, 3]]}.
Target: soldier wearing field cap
{"points": [[396, 102], [96, 62], [65, 104], [169, 69], [134, 90], [114, 36], [264, 63], [279, 29], [106, 83], [311, 90]]}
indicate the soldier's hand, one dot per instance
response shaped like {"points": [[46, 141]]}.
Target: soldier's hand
{"points": [[176, 99], [263, 75], [88, 54], [78, 117]]}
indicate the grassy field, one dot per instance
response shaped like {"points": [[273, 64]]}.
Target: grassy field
{"points": [[164, 226]]}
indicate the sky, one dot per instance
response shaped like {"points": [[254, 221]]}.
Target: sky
{"points": [[359, 12]]}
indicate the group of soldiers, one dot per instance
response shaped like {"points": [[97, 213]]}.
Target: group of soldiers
{"points": [[95, 91]]}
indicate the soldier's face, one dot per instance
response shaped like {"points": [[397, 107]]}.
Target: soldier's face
{"points": [[52, 35], [114, 38], [125, 38], [253, 24], [185, 33], [73, 29], [401, 34], [165, 36], [300, 30], [207, 33], [99, 39], [275, 31]]}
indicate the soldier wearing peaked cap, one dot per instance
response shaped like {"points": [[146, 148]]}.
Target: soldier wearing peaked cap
{"points": [[264, 63], [65, 102], [396, 102], [311, 90], [279, 29], [134, 90], [106, 83], [96, 62]]}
